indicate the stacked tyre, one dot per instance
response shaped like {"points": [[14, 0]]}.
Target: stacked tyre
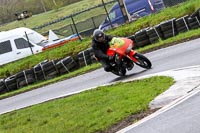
{"points": [[168, 28], [25, 78], [142, 38], [3, 88], [84, 58], [193, 22], [11, 83], [196, 14], [66, 65], [181, 24], [153, 34], [38, 71], [159, 31], [132, 37], [49, 69]]}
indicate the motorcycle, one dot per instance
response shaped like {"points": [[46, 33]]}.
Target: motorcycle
{"points": [[125, 57]]}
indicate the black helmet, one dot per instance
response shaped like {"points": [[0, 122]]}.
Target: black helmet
{"points": [[99, 35]]}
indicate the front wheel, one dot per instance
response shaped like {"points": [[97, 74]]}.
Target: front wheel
{"points": [[143, 61]]}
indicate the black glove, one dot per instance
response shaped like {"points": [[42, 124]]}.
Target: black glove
{"points": [[111, 58]]}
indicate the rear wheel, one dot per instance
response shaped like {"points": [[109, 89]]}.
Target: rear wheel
{"points": [[143, 61]]}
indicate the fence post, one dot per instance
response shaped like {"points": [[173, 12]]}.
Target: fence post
{"points": [[124, 11], [93, 22], [107, 14], [29, 43], [75, 28]]}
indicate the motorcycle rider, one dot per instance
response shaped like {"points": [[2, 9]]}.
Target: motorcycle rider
{"points": [[100, 45]]}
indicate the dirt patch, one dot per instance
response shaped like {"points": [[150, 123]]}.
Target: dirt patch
{"points": [[128, 121]]}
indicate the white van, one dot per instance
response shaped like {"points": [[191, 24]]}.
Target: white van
{"points": [[14, 44]]}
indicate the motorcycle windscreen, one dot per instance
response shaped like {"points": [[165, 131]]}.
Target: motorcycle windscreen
{"points": [[119, 45]]}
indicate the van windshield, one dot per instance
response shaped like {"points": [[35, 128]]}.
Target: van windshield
{"points": [[36, 38]]}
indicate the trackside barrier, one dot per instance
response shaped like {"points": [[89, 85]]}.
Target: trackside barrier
{"points": [[166, 29]]}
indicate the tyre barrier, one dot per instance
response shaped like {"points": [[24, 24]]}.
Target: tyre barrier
{"points": [[141, 38], [132, 37], [84, 58], [182, 24], [168, 28], [38, 71], [11, 83], [49, 69], [193, 22], [196, 14], [153, 34], [159, 31], [3, 88], [66, 65], [25, 78]]}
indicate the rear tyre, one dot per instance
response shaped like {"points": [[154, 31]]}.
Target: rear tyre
{"points": [[143, 61]]}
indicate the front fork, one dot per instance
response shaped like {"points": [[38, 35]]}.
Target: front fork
{"points": [[131, 56], [118, 59]]}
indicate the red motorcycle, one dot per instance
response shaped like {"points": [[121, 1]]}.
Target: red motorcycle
{"points": [[125, 56]]}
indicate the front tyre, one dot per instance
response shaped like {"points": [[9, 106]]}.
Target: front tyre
{"points": [[143, 61]]}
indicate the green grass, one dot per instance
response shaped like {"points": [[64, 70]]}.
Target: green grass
{"points": [[90, 111], [40, 19]]}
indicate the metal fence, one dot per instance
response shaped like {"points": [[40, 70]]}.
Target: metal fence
{"points": [[84, 27], [172, 2], [71, 24]]}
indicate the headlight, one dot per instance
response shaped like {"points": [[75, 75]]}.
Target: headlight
{"points": [[129, 48]]}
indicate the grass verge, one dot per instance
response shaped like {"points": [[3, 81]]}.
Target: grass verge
{"points": [[90, 111]]}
